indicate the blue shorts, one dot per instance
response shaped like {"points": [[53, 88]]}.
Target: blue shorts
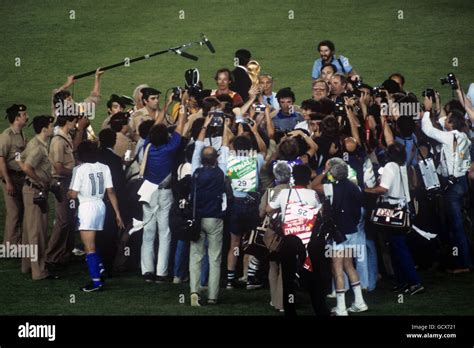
{"points": [[353, 247], [244, 217], [352, 241]]}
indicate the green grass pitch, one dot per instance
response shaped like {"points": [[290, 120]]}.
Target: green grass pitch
{"points": [[422, 42]]}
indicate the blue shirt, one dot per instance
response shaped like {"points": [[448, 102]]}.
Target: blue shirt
{"points": [[209, 183], [318, 63], [160, 159], [346, 205], [286, 123], [410, 149]]}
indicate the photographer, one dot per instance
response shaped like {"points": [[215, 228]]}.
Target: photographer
{"points": [[295, 148], [299, 252], [37, 167], [338, 85], [320, 89], [282, 174], [61, 155], [119, 123], [455, 162], [157, 196], [243, 168], [345, 206], [356, 157], [327, 51], [393, 187], [466, 103], [398, 78], [308, 107], [328, 143], [208, 186], [327, 71]]}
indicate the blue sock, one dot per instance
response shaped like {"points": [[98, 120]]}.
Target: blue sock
{"points": [[94, 269], [101, 264]]}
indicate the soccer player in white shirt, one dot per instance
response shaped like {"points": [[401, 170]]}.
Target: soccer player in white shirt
{"points": [[90, 181]]}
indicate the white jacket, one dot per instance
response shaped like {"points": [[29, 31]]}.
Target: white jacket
{"points": [[456, 163]]}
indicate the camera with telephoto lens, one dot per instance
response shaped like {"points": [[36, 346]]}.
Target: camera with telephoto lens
{"points": [[259, 107], [41, 201], [451, 80], [56, 190], [177, 93], [339, 109], [249, 121], [430, 93], [351, 94], [376, 91], [357, 83], [216, 127]]}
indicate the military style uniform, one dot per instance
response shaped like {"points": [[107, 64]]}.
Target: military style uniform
{"points": [[122, 144], [61, 241], [106, 122], [35, 223], [137, 118], [12, 143]]}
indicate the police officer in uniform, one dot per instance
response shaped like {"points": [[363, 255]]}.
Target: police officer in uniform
{"points": [[12, 143], [61, 155], [37, 167]]}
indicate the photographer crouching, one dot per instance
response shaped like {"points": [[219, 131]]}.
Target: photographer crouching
{"points": [[455, 162]]}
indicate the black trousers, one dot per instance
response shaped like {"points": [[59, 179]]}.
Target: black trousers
{"points": [[107, 240], [292, 256]]}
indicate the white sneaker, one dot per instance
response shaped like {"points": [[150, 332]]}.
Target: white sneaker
{"points": [[195, 300], [78, 252], [339, 313], [331, 295], [357, 308]]}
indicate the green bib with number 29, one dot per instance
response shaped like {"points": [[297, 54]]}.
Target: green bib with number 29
{"points": [[242, 172]]}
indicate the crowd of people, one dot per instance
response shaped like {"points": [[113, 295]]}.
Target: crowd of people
{"points": [[239, 186]]}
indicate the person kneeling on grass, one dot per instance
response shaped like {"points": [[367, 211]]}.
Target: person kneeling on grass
{"points": [[89, 182]]}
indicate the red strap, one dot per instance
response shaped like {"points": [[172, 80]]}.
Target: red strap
{"points": [[367, 130], [382, 131]]}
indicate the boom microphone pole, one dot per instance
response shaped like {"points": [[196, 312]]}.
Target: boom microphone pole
{"points": [[177, 50]]}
